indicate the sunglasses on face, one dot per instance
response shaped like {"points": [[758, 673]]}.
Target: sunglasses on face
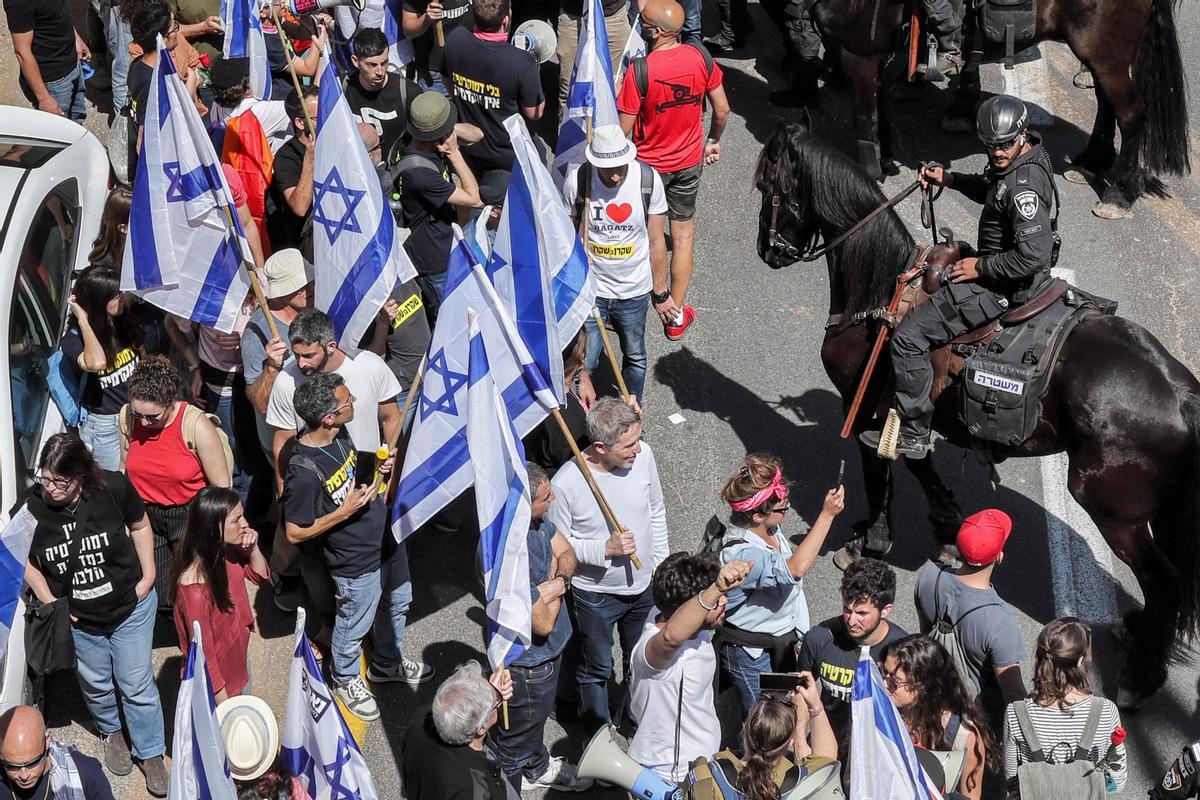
{"points": [[893, 683], [147, 417], [11, 767], [1005, 145]]}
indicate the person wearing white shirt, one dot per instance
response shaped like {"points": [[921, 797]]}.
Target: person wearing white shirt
{"points": [[607, 589], [232, 97], [625, 207], [673, 664]]}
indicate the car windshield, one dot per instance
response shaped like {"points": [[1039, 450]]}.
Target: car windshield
{"points": [[27, 153]]}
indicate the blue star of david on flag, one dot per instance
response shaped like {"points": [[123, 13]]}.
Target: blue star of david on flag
{"points": [[183, 186], [346, 223], [451, 380], [333, 773]]}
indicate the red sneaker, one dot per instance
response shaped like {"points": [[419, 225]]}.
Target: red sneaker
{"points": [[675, 332]]}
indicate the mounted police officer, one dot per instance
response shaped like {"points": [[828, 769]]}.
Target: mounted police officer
{"points": [[1017, 246], [802, 43]]}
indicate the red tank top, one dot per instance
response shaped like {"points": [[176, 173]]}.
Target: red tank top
{"points": [[160, 465]]}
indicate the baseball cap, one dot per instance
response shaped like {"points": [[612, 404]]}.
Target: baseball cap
{"points": [[982, 536], [286, 272], [228, 72]]}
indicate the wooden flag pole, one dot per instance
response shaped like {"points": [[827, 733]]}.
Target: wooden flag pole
{"points": [[255, 286], [287, 53], [612, 356], [439, 33], [605, 509], [414, 391]]}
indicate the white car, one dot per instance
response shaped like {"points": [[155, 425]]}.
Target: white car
{"points": [[53, 183]]}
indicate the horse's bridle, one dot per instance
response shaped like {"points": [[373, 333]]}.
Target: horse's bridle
{"points": [[776, 241]]}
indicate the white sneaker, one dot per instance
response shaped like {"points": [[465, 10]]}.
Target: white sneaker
{"points": [[358, 699], [407, 671], [560, 775]]}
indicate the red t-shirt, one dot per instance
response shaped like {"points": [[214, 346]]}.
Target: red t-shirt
{"points": [[236, 187], [669, 130]]}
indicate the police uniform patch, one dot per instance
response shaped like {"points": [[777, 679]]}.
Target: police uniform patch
{"points": [[1027, 204]]}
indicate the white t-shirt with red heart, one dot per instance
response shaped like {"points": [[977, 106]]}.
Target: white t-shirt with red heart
{"points": [[618, 243]]}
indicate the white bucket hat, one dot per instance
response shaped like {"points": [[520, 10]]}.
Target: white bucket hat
{"points": [[610, 148], [286, 271], [250, 734]]}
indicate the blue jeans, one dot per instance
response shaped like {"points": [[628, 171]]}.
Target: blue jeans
{"points": [[356, 601], [691, 22], [744, 671], [520, 745], [121, 660], [432, 289], [102, 435], [221, 406], [629, 318], [435, 83], [118, 36], [392, 614], [594, 615], [68, 91]]}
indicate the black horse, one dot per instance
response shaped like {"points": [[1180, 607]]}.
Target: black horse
{"points": [[1129, 45], [1126, 412]]}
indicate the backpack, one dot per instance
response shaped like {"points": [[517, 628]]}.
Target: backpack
{"points": [[641, 71], [191, 418], [944, 633], [1078, 779], [715, 778], [712, 541], [66, 382], [407, 163], [583, 185]]}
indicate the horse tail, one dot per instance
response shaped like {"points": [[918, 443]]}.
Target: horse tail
{"points": [[1177, 526], [1158, 74]]}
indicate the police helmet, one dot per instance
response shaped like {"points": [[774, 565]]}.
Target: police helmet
{"points": [[1001, 119]]}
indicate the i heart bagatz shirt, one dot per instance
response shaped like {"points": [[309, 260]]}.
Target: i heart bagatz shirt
{"points": [[618, 243]]}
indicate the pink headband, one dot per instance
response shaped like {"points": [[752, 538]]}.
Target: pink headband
{"points": [[775, 489]]}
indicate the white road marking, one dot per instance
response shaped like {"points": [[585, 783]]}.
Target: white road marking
{"points": [[1081, 563]]}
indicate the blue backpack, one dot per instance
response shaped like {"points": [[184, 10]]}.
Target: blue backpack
{"points": [[66, 382]]}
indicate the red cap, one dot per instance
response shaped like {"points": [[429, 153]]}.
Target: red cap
{"points": [[982, 536]]}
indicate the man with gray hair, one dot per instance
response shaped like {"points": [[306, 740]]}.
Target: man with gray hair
{"points": [[607, 588], [446, 752]]}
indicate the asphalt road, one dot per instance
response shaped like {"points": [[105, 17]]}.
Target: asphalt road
{"points": [[747, 378]]}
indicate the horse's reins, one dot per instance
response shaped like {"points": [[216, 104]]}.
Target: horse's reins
{"points": [[927, 220]]}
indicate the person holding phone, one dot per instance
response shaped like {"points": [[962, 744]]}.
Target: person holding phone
{"points": [[768, 613], [323, 502]]}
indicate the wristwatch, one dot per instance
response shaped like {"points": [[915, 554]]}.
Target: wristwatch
{"points": [[658, 298]]}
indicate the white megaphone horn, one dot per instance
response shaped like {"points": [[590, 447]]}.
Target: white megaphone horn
{"points": [[605, 761], [537, 37], [299, 7]]}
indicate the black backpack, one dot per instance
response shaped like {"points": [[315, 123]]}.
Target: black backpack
{"points": [[641, 72], [583, 185]]}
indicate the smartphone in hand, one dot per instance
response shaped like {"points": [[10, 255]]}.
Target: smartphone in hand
{"points": [[841, 473]]}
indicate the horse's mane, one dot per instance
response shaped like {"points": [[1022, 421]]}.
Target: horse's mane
{"points": [[831, 191]]}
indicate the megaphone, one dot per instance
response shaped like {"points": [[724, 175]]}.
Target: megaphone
{"points": [[537, 37], [299, 7], [605, 761]]}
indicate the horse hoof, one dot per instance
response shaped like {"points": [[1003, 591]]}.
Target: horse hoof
{"points": [[1077, 175], [844, 557], [1129, 700], [1106, 210], [947, 555], [956, 124], [889, 167]]}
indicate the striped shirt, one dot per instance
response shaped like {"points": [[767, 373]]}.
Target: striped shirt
{"points": [[1059, 732]]}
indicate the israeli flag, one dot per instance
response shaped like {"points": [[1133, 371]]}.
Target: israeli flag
{"points": [[538, 264], [184, 236], [635, 47], [882, 758], [318, 748], [502, 500], [198, 766], [244, 39], [356, 245], [590, 95], [437, 465], [14, 553]]}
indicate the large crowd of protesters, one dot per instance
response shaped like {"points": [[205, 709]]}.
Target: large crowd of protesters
{"points": [[203, 460]]}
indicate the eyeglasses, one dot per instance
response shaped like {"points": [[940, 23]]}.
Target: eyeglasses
{"points": [[1005, 145], [147, 417], [893, 683], [11, 767], [173, 29], [648, 24], [783, 509], [61, 484]]}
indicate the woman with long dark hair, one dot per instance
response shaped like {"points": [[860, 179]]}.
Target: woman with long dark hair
{"points": [[781, 731], [925, 685], [92, 548], [105, 341], [1060, 708], [109, 247], [215, 557]]}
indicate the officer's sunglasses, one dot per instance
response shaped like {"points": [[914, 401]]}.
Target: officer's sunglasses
{"points": [[1006, 145]]}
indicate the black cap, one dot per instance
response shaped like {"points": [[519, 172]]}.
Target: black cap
{"points": [[229, 72], [493, 186], [1000, 119]]}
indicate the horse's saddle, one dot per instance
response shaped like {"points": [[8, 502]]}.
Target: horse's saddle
{"points": [[1005, 365]]}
